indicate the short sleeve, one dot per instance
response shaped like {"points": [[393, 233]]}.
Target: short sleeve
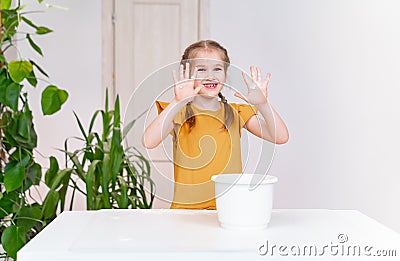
{"points": [[161, 106], [179, 117], [245, 112]]}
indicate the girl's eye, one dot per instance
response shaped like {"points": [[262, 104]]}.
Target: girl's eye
{"points": [[201, 70], [218, 69]]}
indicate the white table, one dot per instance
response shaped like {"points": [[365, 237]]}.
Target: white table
{"points": [[164, 234]]}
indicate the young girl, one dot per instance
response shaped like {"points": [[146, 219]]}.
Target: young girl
{"points": [[206, 130]]}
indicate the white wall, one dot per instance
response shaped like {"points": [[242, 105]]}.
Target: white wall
{"points": [[335, 68]]}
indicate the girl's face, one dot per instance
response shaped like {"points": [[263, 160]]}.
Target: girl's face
{"points": [[209, 70]]}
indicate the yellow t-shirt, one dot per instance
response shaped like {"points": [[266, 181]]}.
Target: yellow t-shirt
{"points": [[206, 150]]}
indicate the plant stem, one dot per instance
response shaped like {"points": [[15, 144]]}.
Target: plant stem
{"points": [[2, 152]]}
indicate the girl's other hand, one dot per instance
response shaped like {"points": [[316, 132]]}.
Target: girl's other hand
{"points": [[184, 85], [257, 89]]}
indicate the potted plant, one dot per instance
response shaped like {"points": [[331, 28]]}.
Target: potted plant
{"points": [[19, 172], [114, 176]]}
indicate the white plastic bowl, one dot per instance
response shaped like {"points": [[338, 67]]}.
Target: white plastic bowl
{"points": [[244, 201]]}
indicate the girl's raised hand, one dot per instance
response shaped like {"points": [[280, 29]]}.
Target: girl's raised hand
{"points": [[257, 89], [184, 85]]}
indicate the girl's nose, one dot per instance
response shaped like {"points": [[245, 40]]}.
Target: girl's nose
{"points": [[210, 75]]}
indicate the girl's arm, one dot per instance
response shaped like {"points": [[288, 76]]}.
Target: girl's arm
{"points": [[163, 124], [271, 127]]}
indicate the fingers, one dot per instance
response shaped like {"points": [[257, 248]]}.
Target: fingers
{"points": [[265, 84], [198, 89], [258, 74], [174, 76], [268, 77], [255, 73], [187, 70], [241, 96], [181, 76], [248, 84]]}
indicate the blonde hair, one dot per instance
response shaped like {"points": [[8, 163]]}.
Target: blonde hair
{"points": [[189, 53]]}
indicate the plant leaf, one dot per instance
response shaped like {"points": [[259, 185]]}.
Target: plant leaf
{"points": [[4, 82], [52, 99], [20, 131], [50, 204], [106, 180], [56, 182], [34, 174], [90, 190], [19, 70], [10, 22], [63, 190], [2, 59], [39, 68], [78, 166], [117, 117], [124, 202], [34, 45], [51, 172], [14, 177], [93, 120], [29, 22], [12, 95], [43, 30], [12, 239], [32, 79], [8, 203], [5, 4], [28, 217], [81, 127], [23, 123]]}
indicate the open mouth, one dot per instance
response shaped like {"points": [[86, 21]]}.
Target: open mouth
{"points": [[210, 85]]}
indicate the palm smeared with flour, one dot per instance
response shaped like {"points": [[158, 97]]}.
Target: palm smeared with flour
{"points": [[184, 84], [256, 87]]}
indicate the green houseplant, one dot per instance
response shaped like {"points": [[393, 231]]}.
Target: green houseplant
{"points": [[114, 176], [21, 216]]}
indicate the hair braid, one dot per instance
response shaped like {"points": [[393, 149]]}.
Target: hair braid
{"points": [[228, 112], [189, 116]]}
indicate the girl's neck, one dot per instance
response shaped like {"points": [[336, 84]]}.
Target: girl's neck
{"points": [[207, 103]]}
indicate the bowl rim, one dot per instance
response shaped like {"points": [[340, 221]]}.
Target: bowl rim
{"points": [[219, 178]]}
